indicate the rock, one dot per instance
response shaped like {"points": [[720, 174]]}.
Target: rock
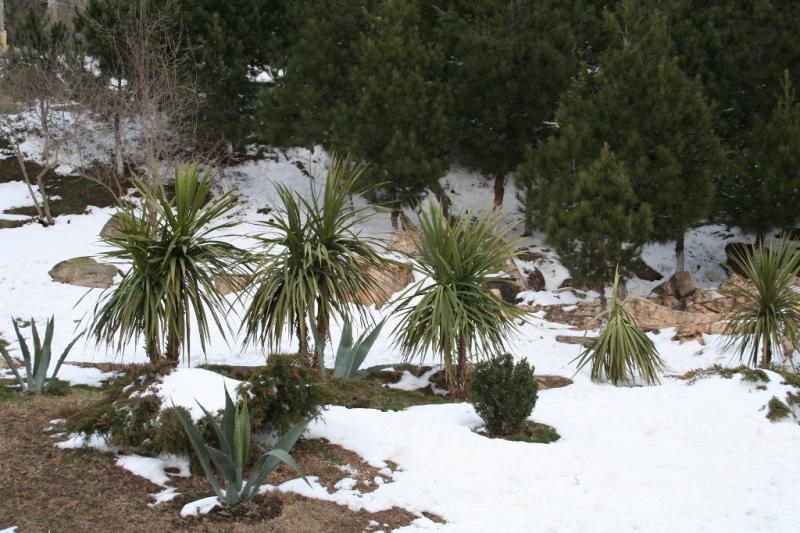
{"points": [[404, 242], [581, 315], [674, 292], [508, 289], [535, 280], [567, 283], [642, 270], [394, 278], [524, 254], [552, 382], [710, 301], [650, 316], [84, 272], [110, 228], [582, 340], [230, 284]]}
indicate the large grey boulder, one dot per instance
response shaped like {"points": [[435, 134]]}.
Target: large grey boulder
{"points": [[84, 272]]}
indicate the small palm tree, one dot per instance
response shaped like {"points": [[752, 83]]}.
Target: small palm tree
{"points": [[457, 315], [623, 351], [174, 261], [770, 314], [313, 262]]}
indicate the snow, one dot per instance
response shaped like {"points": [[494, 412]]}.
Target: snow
{"points": [[154, 468], [90, 376], [409, 381], [200, 507], [192, 387], [78, 440], [674, 457]]}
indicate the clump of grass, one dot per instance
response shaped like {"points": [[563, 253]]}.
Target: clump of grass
{"points": [[374, 395], [778, 410], [753, 375]]}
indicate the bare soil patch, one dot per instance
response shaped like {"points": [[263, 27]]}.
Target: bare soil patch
{"points": [[46, 488]]}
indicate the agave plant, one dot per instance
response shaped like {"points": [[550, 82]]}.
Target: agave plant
{"points": [[174, 262], [623, 351], [37, 361], [234, 488], [313, 261], [457, 315], [351, 353], [766, 320]]}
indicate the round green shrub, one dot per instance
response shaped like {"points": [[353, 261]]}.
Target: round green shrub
{"points": [[503, 393], [283, 394], [168, 433]]}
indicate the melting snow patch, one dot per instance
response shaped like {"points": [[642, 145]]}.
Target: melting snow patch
{"points": [[77, 375], [79, 440], [154, 468], [186, 387], [200, 507], [409, 381]]}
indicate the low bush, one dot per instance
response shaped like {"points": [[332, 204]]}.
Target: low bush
{"points": [[284, 394], [503, 393]]}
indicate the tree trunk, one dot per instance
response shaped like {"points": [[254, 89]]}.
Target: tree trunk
{"points": [[152, 350], [680, 260], [322, 332], [760, 239], [499, 187], [302, 343], [395, 214], [767, 358], [43, 193], [458, 382], [119, 163], [528, 230], [173, 351]]}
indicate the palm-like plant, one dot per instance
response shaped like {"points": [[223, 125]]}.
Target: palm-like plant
{"points": [[770, 314], [313, 261], [457, 314], [623, 351], [174, 258]]}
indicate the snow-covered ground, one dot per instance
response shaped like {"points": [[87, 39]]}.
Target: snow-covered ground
{"points": [[674, 457]]}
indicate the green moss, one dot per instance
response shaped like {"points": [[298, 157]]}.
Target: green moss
{"points": [[375, 395], [777, 410]]}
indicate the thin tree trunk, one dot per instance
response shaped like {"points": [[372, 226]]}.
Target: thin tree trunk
{"points": [[500, 187], [528, 230], [760, 239], [767, 358], [395, 216], [302, 342], [152, 350], [43, 193], [119, 163], [322, 332], [26, 177], [173, 349], [680, 259]]}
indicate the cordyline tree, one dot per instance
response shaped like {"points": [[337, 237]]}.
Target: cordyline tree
{"points": [[652, 115], [396, 119], [765, 192], [510, 62]]}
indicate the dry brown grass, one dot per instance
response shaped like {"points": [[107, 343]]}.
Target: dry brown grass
{"points": [[45, 488]]}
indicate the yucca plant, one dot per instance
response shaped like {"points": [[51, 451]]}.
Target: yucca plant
{"points": [[231, 457], [455, 314], [37, 361], [175, 253], [313, 261], [622, 352], [351, 353], [766, 320]]}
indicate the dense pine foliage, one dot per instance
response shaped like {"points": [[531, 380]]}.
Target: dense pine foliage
{"points": [[622, 122]]}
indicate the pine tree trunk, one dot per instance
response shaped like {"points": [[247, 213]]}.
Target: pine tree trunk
{"points": [[499, 187], [680, 259]]}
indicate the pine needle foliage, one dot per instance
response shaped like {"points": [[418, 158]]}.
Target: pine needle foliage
{"points": [[173, 247], [623, 352], [313, 260], [457, 315], [766, 321]]}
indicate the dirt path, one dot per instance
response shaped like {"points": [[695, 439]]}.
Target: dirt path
{"points": [[45, 488]]}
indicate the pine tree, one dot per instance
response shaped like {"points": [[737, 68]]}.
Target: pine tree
{"points": [[653, 116], [512, 60], [396, 119], [765, 192], [603, 226], [297, 109]]}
